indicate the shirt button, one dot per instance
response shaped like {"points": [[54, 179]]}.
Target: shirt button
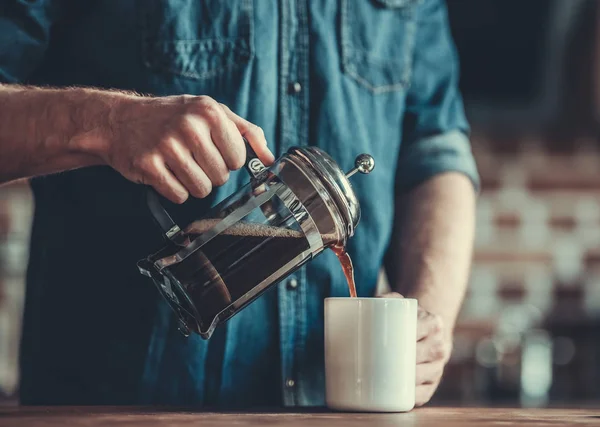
{"points": [[295, 87], [292, 284], [290, 383]]}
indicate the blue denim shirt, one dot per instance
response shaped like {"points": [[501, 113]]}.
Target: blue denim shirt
{"points": [[350, 76]]}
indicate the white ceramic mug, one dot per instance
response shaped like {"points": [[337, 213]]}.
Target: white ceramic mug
{"points": [[370, 354]]}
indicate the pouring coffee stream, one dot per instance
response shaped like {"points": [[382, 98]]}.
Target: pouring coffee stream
{"points": [[284, 217], [363, 164]]}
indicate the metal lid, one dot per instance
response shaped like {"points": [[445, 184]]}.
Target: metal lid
{"points": [[336, 180]]}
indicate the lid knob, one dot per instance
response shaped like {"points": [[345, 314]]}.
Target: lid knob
{"points": [[364, 163]]}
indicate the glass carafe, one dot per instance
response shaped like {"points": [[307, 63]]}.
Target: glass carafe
{"points": [[285, 216]]}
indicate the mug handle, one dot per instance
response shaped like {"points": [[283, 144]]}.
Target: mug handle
{"points": [[253, 165]]}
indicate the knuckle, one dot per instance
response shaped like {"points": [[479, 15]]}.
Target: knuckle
{"points": [[211, 114], [181, 197], [393, 295], [136, 164], [197, 103], [440, 353], [432, 353], [210, 109], [437, 324], [225, 107], [197, 191], [437, 351], [256, 131], [186, 98], [161, 180], [185, 169], [221, 178], [147, 165], [204, 190], [204, 99], [167, 146], [237, 159], [154, 163], [184, 123]]}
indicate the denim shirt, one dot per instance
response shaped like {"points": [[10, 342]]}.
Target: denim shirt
{"points": [[350, 76]]}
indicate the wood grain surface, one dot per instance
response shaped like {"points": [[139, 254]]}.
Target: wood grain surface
{"points": [[171, 417]]}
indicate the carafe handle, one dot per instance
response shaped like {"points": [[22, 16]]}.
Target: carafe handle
{"points": [[253, 165], [160, 214]]}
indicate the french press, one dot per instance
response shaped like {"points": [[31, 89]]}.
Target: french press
{"points": [[285, 216]]}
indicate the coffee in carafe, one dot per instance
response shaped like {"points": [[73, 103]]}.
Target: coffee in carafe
{"points": [[254, 250], [284, 217]]}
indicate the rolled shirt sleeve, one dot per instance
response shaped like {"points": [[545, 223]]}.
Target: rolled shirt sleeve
{"points": [[435, 129]]}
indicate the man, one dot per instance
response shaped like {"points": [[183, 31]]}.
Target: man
{"points": [[351, 76]]}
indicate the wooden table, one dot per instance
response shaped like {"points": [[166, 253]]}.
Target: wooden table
{"points": [[171, 417]]}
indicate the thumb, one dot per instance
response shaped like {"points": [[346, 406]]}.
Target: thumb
{"points": [[391, 295]]}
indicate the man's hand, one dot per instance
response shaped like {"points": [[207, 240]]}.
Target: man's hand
{"points": [[180, 145], [434, 346]]}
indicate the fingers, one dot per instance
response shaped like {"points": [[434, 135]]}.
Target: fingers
{"points": [[222, 143], [229, 142], [428, 376], [429, 373], [205, 153], [391, 295], [423, 393], [432, 349], [427, 324], [214, 135], [156, 174], [254, 134], [182, 164], [183, 145], [431, 345]]}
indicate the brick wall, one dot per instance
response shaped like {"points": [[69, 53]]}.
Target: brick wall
{"points": [[527, 329]]}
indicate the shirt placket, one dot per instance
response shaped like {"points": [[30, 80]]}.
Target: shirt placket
{"points": [[293, 131]]}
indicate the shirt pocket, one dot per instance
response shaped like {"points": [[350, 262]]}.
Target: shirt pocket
{"points": [[196, 39], [378, 38]]}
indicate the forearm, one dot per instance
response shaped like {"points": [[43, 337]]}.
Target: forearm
{"points": [[45, 131], [433, 241]]}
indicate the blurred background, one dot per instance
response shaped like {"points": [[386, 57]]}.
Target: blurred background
{"points": [[528, 332]]}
